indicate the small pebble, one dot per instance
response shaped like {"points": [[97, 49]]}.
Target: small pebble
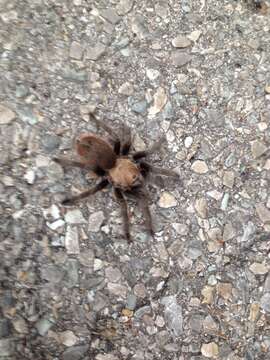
{"points": [[188, 141], [210, 350], [68, 338], [258, 148], [6, 115], [258, 269], [181, 42], [167, 200], [199, 167], [75, 217]]}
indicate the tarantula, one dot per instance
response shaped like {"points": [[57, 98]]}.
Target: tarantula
{"points": [[110, 161]]}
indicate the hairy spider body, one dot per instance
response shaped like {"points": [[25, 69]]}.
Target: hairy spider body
{"points": [[127, 174]]}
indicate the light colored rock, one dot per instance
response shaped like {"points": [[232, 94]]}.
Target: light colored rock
{"points": [[181, 229], [98, 264], [56, 224], [126, 89], [117, 289], [167, 200], [152, 74], [68, 338], [6, 115], [258, 148], [228, 232], [76, 50], [209, 325], [228, 179], [160, 100], [20, 325], [267, 89], [113, 274], [259, 269], [30, 176], [139, 290], [75, 217], [95, 221], [210, 350], [208, 294], [173, 314], [201, 207], [95, 52], [263, 213], [124, 6], [199, 167], [224, 290], [188, 141], [194, 35], [72, 240], [181, 42], [254, 311], [180, 58]]}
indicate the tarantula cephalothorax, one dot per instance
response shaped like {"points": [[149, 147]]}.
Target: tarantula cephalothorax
{"points": [[125, 173]]}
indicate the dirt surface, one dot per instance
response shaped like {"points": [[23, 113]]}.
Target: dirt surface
{"points": [[71, 286]]}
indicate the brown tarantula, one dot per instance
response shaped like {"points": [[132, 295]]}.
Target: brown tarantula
{"points": [[125, 173]]}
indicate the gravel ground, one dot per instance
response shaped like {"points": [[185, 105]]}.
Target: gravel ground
{"points": [[71, 286]]}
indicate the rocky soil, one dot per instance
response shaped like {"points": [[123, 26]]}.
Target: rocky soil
{"points": [[71, 286]]}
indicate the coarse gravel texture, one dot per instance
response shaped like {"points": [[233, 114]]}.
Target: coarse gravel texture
{"points": [[71, 286]]}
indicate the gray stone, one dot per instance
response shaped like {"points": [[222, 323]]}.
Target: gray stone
{"points": [[180, 58], [265, 302], [72, 240], [74, 76], [139, 28], [95, 221], [43, 326], [139, 107], [126, 89], [263, 213], [74, 217], [124, 6], [50, 142], [173, 314], [110, 15], [113, 274], [249, 231], [215, 118], [75, 352], [131, 302], [142, 311], [5, 328], [21, 91], [117, 289], [76, 51], [72, 273], [52, 273], [258, 148], [95, 52], [28, 115], [7, 347]]}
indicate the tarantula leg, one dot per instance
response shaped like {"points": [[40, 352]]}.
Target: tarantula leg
{"points": [[105, 127], [116, 147], [71, 200], [146, 168], [67, 162], [124, 212], [128, 140], [143, 203], [142, 154]]}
